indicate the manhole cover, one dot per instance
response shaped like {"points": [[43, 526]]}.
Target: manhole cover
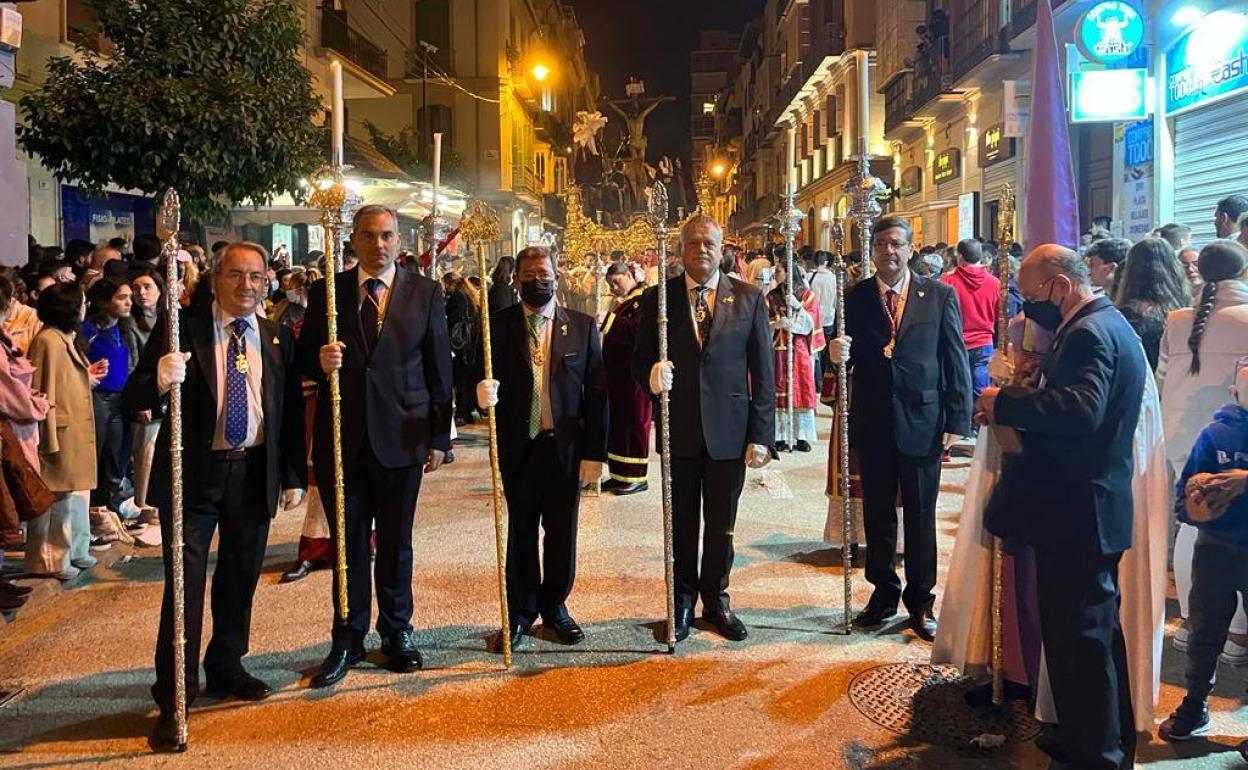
{"points": [[926, 702]]}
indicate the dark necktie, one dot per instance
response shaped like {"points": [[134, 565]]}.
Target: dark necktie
{"points": [[892, 301], [236, 384], [370, 312], [702, 315]]}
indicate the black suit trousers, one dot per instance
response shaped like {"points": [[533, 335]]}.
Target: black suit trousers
{"points": [[231, 498], [541, 496], [884, 471], [710, 489], [384, 499], [1086, 656]]}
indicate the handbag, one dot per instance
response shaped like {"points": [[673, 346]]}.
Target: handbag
{"points": [[31, 496]]}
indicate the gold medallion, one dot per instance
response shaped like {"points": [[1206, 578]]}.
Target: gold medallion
{"points": [[538, 358], [700, 315], [888, 349], [240, 363]]}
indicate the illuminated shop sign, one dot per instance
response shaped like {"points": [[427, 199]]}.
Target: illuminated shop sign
{"points": [[1109, 95], [947, 165], [1209, 62], [1109, 31]]}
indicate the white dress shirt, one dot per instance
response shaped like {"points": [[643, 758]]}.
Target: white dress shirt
{"points": [[823, 284], [255, 374], [548, 312], [691, 290]]}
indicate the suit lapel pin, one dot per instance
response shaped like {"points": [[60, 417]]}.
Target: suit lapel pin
{"points": [[920, 294], [564, 330], [275, 342], [729, 299]]}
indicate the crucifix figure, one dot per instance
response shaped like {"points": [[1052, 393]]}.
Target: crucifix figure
{"points": [[634, 110]]}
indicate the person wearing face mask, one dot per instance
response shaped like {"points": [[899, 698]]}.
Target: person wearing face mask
{"points": [[910, 400], [722, 382], [1068, 495], [551, 399], [393, 358], [243, 458]]}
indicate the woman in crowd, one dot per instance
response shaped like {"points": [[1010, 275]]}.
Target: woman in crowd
{"points": [[106, 337], [23, 408], [146, 315], [289, 311], [1150, 287], [461, 320], [502, 291], [798, 325], [57, 543], [1195, 366], [21, 323]]}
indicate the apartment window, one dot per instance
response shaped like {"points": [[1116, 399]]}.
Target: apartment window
{"points": [[433, 25]]}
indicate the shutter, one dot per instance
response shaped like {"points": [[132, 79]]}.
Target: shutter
{"points": [[1209, 149], [995, 178]]}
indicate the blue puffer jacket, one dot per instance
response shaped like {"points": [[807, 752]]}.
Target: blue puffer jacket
{"points": [[1221, 446]]}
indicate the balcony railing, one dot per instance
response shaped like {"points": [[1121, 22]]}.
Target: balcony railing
{"points": [[931, 75], [524, 179], [1023, 15], [897, 102], [338, 35], [976, 35]]}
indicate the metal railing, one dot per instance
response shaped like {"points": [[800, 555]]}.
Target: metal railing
{"points": [[897, 102], [931, 75], [976, 34], [338, 35]]}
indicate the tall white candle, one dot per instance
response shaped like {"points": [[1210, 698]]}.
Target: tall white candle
{"points": [[337, 112], [437, 167], [864, 100], [792, 169]]}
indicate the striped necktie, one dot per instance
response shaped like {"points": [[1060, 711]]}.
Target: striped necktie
{"points": [[536, 365]]}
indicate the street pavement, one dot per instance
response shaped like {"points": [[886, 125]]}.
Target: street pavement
{"points": [[81, 658]]}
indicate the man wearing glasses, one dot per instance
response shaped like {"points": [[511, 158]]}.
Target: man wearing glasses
{"points": [[910, 400]]}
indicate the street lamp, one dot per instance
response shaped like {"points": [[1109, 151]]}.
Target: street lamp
{"points": [[540, 72], [717, 170]]}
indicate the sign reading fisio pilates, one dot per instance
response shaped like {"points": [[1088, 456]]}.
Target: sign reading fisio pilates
{"points": [[1109, 31], [1209, 62]]}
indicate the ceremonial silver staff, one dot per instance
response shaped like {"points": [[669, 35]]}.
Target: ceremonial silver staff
{"points": [[790, 217], [658, 220], [842, 437], [864, 191], [168, 223], [1005, 226]]}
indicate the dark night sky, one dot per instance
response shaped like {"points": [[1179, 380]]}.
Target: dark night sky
{"points": [[651, 40]]}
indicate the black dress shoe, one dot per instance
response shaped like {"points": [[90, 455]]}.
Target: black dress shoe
{"points": [[611, 484], [518, 632], [336, 665], [726, 624], [874, 615], [448, 458], [923, 624], [802, 445], [684, 619], [164, 736], [782, 446], [1050, 742], [299, 571], [13, 589], [632, 489], [567, 629], [10, 602], [241, 685], [401, 653]]}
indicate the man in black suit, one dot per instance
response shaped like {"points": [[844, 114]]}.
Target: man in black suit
{"points": [[551, 395], [242, 443], [911, 399], [393, 357], [723, 404], [1068, 496]]}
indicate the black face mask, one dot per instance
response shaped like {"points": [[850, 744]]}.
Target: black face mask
{"points": [[537, 293], [1044, 313]]}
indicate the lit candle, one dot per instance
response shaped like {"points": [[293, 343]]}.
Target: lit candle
{"points": [[338, 114], [792, 175], [864, 100], [437, 167]]}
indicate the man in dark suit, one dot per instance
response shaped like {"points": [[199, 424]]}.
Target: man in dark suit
{"points": [[1068, 496], [723, 404], [393, 357], [911, 399], [551, 395], [242, 443]]}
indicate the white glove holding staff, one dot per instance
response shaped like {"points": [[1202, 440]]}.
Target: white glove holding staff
{"points": [[487, 393], [661, 377], [171, 370], [838, 349]]}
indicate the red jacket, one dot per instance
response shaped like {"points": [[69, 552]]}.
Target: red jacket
{"points": [[979, 293]]}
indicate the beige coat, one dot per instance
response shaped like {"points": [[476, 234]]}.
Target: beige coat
{"points": [[67, 436]]}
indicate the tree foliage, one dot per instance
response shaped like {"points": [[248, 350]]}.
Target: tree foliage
{"points": [[206, 96], [403, 148]]}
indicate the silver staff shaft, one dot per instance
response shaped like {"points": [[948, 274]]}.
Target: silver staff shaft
{"points": [[658, 217], [169, 220], [842, 437]]}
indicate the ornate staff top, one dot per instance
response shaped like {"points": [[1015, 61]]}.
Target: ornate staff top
{"points": [[479, 224], [169, 216], [864, 191], [657, 207]]}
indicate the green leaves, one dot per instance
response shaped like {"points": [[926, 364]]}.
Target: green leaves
{"points": [[207, 96]]}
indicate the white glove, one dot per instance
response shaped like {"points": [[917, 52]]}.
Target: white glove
{"points": [[1000, 368], [795, 303], [591, 471], [661, 377], [171, 370], [757, 455], [291, 498], [838, 349], [487, 393], [784, 323]]}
